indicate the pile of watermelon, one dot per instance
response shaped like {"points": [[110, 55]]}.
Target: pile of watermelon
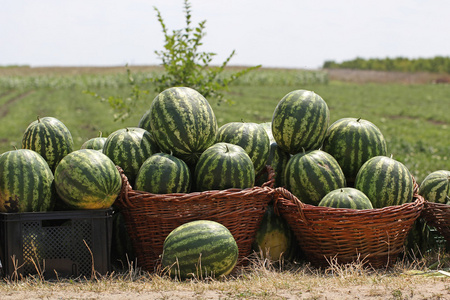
{"points": [[178, 147]]}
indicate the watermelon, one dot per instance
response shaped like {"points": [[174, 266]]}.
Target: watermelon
{"points": [[199, 249], [278, 160], [347, 197], [129, 148], [87, 179], [385, 181], [300, 121], [313, 174], [50, 138], [183, 123], [251, 137], [436, 187], [94, 143], [224, 166], [352, 142], [26, 182], [163, 173], [274, 238]]}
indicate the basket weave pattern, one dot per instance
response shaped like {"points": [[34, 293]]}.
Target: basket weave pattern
{"points": [[149, 218], [373, 236], [437, 215]]}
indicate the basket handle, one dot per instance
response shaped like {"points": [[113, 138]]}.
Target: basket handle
{"points": [[123, 196], [282, 192], [270, 177]]}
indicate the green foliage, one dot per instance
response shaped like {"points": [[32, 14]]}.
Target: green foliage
{"points": [[438, 64], [184, 65]]}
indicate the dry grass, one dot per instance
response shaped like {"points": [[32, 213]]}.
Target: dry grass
{"points": [[260, 279]]}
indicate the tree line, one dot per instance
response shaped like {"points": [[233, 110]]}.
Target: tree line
{"points": [[437, 64]]}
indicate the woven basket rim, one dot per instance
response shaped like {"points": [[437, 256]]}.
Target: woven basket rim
{"points": [[127, 192], [291, 199]]}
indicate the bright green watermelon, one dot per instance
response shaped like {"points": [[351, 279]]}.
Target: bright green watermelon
{"points": [[94, 143], [224, 166], [183, 123], [313, 174], [346, 197], [50, 138], [129, 148], [26, 182], [300, 121], [251, 137], [274, 238], [352, 142], [436, 187], [163, 173], [385, 181], [87, 179], [200, 249]]}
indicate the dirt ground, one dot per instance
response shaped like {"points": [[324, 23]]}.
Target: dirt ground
{"points": [[429, 290]]}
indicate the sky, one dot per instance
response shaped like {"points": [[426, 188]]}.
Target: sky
{"points": [[278, 34]]}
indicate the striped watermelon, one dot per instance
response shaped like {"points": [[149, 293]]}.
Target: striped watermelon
{"points": [[87, 179], [347, 197], [129, 148], [436, 187], [274, 238], [163, 173], [183, 123], [300, 121], [94, 143], [251, 137], [352, 142], [50, 138], [278, 160], [385, 181], [313, 174], [26, 182], [224, 166], [200, 249]]}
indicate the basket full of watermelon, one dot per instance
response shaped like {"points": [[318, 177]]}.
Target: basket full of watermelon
{"points": [[435, 189], [196, 171], [344, 198]]}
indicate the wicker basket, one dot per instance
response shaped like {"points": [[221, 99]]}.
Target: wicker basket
{"points": [[372, 236], [149, 218], [437, 215]]}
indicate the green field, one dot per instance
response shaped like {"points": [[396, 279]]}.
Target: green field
{"points": [[414, 118]]}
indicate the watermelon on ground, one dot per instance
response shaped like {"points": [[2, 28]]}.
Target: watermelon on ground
{"points": [[199, 249]]}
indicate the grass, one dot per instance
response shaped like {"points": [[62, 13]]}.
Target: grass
{"points": [[261, 279], [413, 117]]}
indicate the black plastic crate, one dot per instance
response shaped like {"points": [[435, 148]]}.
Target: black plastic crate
{"points": [[56, 244]]}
